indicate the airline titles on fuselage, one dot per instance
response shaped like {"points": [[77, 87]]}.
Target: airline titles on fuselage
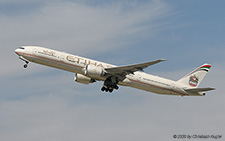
{"points": [[79, 60], [75, 59]]}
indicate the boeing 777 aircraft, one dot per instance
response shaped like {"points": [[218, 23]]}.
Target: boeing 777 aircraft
{"points": [[89, 71]]}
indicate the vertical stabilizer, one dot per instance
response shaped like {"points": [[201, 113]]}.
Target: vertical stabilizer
{"points": [[194, 78]]}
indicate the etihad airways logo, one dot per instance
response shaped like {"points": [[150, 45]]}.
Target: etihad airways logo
{"points": [[79, 60], [193, 81]]}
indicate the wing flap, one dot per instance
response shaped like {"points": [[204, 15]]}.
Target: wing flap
{"points": [[129, 69], [199, 89]]}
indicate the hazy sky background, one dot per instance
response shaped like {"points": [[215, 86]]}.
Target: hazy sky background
{"points": [[42, 103]]}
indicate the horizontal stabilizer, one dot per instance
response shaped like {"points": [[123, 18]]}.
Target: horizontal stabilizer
{"points": [[199, 89]]}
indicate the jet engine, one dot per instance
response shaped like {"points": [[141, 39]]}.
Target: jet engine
{"points": [[83, 79], [94, 71]]}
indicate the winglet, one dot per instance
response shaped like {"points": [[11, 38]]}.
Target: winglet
{"points": [[162, 60]]}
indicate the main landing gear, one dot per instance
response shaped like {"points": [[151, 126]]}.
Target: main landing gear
{"points": [[110, 84]]}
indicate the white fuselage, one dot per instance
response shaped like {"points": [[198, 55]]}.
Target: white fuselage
{"points": [[77, 64]]}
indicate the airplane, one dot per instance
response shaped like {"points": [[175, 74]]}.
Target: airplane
{"points": [[89, 71]]}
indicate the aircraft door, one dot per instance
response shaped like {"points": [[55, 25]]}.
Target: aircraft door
{"points": [[34, 51], [172, 87], [62, 57], [139, 77]]}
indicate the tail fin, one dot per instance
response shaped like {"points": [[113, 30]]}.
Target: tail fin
{"points": [[194, 78]]}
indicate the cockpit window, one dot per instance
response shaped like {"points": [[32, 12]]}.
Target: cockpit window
{"points": [[21, 48]]}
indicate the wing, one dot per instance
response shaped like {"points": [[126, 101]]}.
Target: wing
{"points": [[199, 89], [130, 69]]}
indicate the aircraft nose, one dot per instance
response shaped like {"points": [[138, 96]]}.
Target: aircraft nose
{"points": [[16, 51]]}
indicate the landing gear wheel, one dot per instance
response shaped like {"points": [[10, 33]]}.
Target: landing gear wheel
{"points": [[25, 66], [110, 90], [116, 87], [103, 88]]}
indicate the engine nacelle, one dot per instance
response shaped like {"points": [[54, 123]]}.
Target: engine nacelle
{"points": [[94, 71], [83, 79]]}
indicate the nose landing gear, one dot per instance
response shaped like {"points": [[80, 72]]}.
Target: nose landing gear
{"points": [[25, 60], [25, 65]]}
